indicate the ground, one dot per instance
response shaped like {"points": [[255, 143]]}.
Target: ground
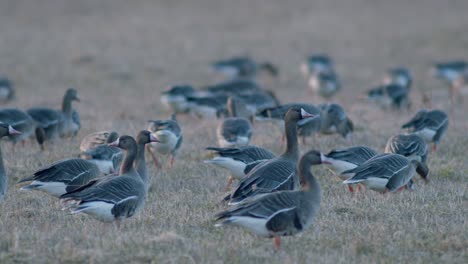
{"points": [[121, 54]]}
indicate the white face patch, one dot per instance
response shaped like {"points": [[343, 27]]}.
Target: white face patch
{"points": [[305, 114]]}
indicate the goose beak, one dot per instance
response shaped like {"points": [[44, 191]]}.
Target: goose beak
{"points": [[153, 138], [114, 144], [13, 131], [305, 114]]}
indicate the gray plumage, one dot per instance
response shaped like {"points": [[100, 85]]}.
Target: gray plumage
{"points": [[95, 139], [20, 121], [431, 125], [400, 76], [317, 63], [325, 84], [7, 90], [355, 155], [408, 145], [390, 95], [234, 131], [5, 130], [243, 67], [169, 135]]}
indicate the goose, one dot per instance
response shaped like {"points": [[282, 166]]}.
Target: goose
{"points": [[243, 67], [5, 130], [278, 173], [317, 63], [7, 90], [104, 156], [112, 198], [234, 131], [431, 125], [207, 107], [399, 76], [344, 159], [144, 137], [258, 101], [169, 135], [20, 121], [239, 161], [408, 145], [390, 95], [453, 73], [55, 123], [233, 87], [335, 120], [99, 138], [387, 172], [282, 213], [174, 98], [325, 84]]}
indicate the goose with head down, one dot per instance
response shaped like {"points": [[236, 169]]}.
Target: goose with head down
{"points": [[7, 90], [234, 131], [408, 145], [5, 130], [283, 213], [243, 67], [278, 173], [317, 63], [99, 138]]}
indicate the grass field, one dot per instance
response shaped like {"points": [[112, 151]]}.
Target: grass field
{"points": [[121, 54]]}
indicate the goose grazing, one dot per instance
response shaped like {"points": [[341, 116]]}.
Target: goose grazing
{"points": [[95, 139], [174, 98], [335, 120], [234, 131], [283, 213], [112, 198], [55, 123], [431, 125], [317, 63], [243, 67], [341, 160], [390, 95], [387, 172], [7, 90], [20, 121], [325, 84], [278, 173], [239, 161], [399, 76], [5, 130], [101, 154], [408, 145], [61, 176], [169, 135]]}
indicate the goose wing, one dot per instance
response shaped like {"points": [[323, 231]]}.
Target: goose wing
{"points": [[381, 166], [246, 154], [355, 155]]}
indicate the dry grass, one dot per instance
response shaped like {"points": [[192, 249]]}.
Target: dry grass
{"points": [[121, 54]]}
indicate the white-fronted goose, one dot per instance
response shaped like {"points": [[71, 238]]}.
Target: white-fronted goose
{"points": [[408, 145], [116, 197], [431, 125], [390, 95], [387, 172], [5, 130], [325, 84], [95, 139], [7, 91], [278, 173], [282, 213], [174, 98], [453, 73], [233, 87], [208, 107], [20, 121], [335, 120], [243, 67], [169, 135], [400, 76], [317, 63], [239, 161], [144, 137], [341, 160], [234, 131]]}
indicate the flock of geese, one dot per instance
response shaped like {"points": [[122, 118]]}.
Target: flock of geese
{"points": [[277, 195]]}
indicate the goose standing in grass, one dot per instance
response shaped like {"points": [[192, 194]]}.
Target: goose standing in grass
{"points": [[335, 120], [243, 67], [451, 72], [408, 145], [7, 90], [391, 95], [431, 125], [324, 84], [283, 213], [399, 76], [144, 137], [317, 63], [51, 123], [207, 107], [174, 98], [387, 172], [278, 173], [239, 161], [169, 135], [95, 139], [5, 130], [20, 121], [112, 198], [234, 131], [341, 160], [102, 154]]}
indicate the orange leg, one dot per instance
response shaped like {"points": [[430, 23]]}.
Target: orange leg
{"points": [[434, 148], [228, 184], [401, 189], [277, 241], [171, 162], [359, 187], [350, 188], [155, 160]]}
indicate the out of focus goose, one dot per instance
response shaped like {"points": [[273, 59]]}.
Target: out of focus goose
{"points": [[408, 145], [20, 121], [174, 98], [399, 76], [344, 159], [233, 87], [390, 95], [283, 213], [317, 63], [115, 197], [57, 123], [5, 130], [431, 125], [278, 173], [325, 84], [239, 161], [335, 120], [62, 176], [451, 72], [243, 67], [234, 131], [387, 172], [103, 155], [7, 91], [169, 135], [208, 107], [95, 139]]}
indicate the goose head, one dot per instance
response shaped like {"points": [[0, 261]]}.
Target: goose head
{"points": [[124, 142], [145, 137], [309, 159], [7, 130], [71, 95]]}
